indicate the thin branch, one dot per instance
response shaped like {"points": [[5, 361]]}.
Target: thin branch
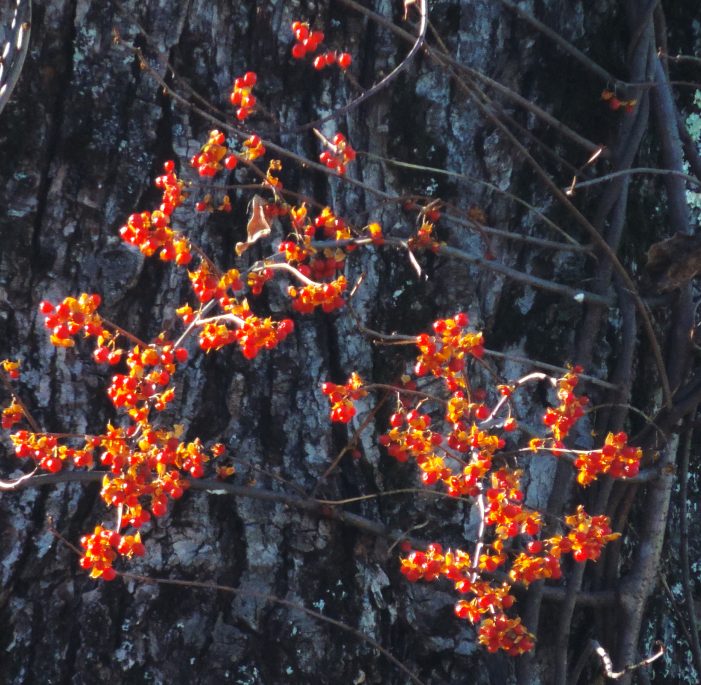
{"points": [[571, 49], [516, 237], [575, 294], [692, 180], [123, 332], [281, 602], [473, 179], [151, 580], [681, 58], [549, 367], [596, 237], [422, 7], [608, 664], [351, 444], [444, 59], [220, 487], [14, 484]]}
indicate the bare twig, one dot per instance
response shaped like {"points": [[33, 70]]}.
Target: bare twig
{"points": [[243, 592], [445, 59], [571, 49], [608, 664], [692, 180], [422, 7]]}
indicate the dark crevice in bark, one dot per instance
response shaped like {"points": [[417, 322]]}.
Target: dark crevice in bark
{"points": [[56, 116]]}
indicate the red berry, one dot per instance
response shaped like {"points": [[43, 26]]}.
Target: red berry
{"points": [[344, 60], [534, 546], [319, 62], [481, 412], [301, 30], [396, 420], [101, 355], [510, 425]]}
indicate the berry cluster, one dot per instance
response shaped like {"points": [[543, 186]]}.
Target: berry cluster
{"points": [[208, 161], [342, 397], [444, 354], [308, 43], [375, 233], [424, 239], [510, 530], [587, 536], [562, 418], [208, 285], [616, 458], [338, 155], [257, 279], [242, 95], [615, 103], [150, 372], [12, 414], [328, 296], [410, 436], [508, 634], [253, 148], [253, 335], [330, 226], [11, 368], [487, 603], [150, 232], [504, 510], [172, 187], [72, 316], [100, 552]]}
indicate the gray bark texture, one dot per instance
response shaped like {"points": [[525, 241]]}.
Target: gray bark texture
{"points": [[82, 137]]}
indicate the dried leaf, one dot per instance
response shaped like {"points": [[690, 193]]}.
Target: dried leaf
{"points": [[257, 227]]}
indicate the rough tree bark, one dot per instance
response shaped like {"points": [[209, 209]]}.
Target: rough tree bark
{"points": [[80, 141]]}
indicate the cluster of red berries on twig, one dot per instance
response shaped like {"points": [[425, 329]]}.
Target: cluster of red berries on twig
{"points": [[444, 354], [308, 42], [616, 458], [328, 296], [12, 414], [560, 419], [150, 232], [615, 103], [338, 154], [341, 397], [463, 456], [242, 95], [71, 317]]}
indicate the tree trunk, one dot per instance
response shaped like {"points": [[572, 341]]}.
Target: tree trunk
{"points": [[81, 140]]}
